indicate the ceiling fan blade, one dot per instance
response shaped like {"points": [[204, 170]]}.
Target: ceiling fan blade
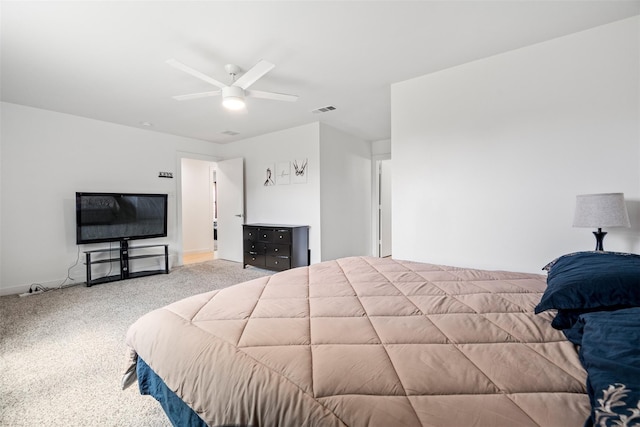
{"points": [[271, 95], [195, 73], [257, 71], [196, 95]]}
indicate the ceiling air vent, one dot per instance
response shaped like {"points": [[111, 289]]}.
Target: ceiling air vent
{"points": [[324, 109], [230, 133]]}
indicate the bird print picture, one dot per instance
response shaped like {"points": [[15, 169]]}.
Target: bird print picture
{"points": [[300, 171]]}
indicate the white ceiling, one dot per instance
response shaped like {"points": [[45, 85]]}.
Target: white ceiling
{"points": [[106, 59]]}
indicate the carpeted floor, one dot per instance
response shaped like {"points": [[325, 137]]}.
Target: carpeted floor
{"points": [[62, 352]]}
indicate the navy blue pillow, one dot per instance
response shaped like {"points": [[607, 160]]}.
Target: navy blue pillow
{"points": [[565, 319], [591, 281], [609, 352]]}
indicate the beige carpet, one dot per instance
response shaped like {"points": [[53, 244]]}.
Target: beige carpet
{"points": [[62, 352]]}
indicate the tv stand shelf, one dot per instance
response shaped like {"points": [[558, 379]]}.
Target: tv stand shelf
{"points": [[123, 260]]}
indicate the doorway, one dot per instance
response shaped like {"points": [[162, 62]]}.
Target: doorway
{"points": [[383, 207], [210, 217], [198, 190]]}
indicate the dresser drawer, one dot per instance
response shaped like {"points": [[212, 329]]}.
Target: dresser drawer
{"points": [[265, 235], [255, 248], [277, 263], [282, 236], [278, 250], [255, 260], [250, 234]]}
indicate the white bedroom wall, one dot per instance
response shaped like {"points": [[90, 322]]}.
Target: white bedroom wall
{"points": [[381, 148], [46, 158], [489, 156], [345, 192], [295, 204]]}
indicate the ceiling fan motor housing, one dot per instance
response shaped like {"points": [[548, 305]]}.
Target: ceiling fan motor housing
{"points": [[234, 91]]}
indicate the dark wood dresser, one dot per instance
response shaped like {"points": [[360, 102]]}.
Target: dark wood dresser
{"points": [[275, 246]]}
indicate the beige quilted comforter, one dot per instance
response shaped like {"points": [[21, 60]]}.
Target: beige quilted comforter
{"points": [[368, 342]]}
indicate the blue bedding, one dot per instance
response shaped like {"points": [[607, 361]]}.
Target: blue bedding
{"points": [[597, 298], [178, 412], [610, 352]]}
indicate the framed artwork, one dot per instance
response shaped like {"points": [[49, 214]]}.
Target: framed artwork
{"points": [[283, 173], [269, 175], [299, 172]]}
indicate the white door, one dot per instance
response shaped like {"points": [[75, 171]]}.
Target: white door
{"points": [[230, 182], [385, 208]]}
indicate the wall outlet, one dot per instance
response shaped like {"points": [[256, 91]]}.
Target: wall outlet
{"points": [[165, 174]]}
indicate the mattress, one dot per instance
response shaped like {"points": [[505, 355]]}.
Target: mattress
{"points": [[365, 341]]}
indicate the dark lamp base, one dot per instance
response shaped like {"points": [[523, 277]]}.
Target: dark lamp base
{"points": [[599, 238]]}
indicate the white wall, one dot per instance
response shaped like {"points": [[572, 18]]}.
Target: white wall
{"points": [[197, 206], [489, 156], [294, 204], [345, 194], [381, 148], [46, 158]]}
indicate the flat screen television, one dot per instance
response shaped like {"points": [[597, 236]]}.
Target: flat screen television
{"points": [[110, 217]]}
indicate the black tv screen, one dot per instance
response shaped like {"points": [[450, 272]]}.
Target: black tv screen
{"points": [[108, 217]]}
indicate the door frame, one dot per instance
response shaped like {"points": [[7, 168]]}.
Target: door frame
{"points": [[179, 156], [375, 202]]}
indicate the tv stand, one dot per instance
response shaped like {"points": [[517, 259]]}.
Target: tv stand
{"points": [[125, 257]]}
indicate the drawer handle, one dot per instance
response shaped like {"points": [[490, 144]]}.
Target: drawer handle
{"points": [[264, 235], [281, 237], [276, 262], [276, 249]]}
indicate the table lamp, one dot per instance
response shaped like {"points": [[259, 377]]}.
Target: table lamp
{"points": [[601, 210]]}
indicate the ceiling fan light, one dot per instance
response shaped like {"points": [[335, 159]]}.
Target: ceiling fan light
{"points": [[233, 103], [233, 98]]}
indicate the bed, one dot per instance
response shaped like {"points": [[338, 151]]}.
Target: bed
{"points": [[364, 341]]}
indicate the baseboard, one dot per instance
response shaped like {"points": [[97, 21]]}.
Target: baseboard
{"points": [[20, 289], [14, 290], [196, 251]]}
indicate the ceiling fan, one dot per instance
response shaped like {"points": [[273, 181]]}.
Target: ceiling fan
{"points": [[233, 95]]}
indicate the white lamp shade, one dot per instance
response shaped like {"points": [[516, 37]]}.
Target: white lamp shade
{"points": [[233, 103], [601, 210], [233, 98]]}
